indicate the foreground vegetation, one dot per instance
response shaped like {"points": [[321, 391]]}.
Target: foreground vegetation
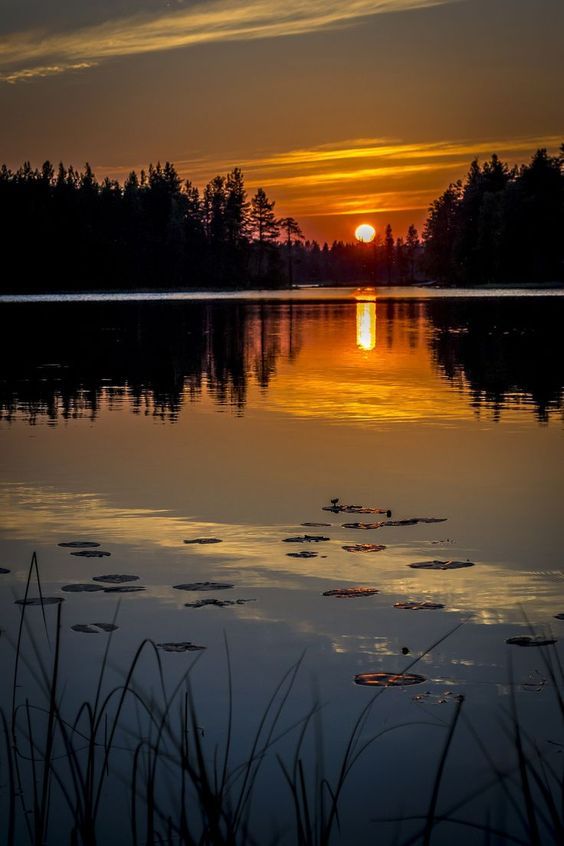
{"points": [[61, 768]]}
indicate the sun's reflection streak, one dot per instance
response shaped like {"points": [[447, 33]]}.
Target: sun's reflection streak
{"points": [[366, 325]]}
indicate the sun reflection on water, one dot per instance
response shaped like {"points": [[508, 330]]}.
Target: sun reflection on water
{"points": [[366, 325]]}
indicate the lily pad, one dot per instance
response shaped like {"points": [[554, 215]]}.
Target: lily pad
{"points": [[306, 539], [94, 628], [203, 540], [82, 588], [364, 547], [431, 519], [388, 679], [440, 565], [184, 646], [115, 578], [362, 525], [409, 522], [92, 553], [356, 509], [37, 600], [217, 603], [530, 640], [429, 698], [412, 521], [305, 553], [80, 544], [418, 606], [124, 589], [348, 593], [204, 586], [3, 571], [315, 525]]}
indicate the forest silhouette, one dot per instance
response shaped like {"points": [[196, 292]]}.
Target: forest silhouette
{"points": [[65, 231]]}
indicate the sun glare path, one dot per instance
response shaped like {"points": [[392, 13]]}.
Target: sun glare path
{"points": [[365, 233], [366, 326]]}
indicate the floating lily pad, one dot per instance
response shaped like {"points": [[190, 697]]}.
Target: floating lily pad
{"points": [[3, 571], [204, 586], [440, 565], [115, 578], [92, 553], [559, 616], [124, 589], [80, 544], [362, 525], [356, 509], [388, 679], [364, 547], [184, 646], [431, 519], [418, 606], [203, 540], [94, 628], [305, 553], [315, 525], [217, 603], [347, 593], [412, 521], [306, 539], [429, 698], [530, 640], [82, 588], [36, 600], [409, 522]]}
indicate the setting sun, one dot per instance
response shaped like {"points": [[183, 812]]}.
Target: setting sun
{"points": [[365, 233]]}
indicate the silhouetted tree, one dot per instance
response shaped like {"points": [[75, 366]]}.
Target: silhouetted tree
{"points": [[264, 226], [293, 233]]}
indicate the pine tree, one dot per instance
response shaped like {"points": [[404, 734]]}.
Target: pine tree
{"points": [[264, 225], [293, 233]]}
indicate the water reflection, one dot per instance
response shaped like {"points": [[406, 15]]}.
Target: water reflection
{"points": [[366, 326], [455, 356]]}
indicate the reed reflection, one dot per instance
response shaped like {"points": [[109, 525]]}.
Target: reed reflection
{"points": [[63, 361]]}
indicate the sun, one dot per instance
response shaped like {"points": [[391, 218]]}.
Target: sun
{"points": [[365, 233]]}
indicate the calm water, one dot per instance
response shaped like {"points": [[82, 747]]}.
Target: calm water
{"points": [[141, 424]]}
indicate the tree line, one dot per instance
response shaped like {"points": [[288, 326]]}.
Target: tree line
{"points": [[500, 224], [66, 231]]}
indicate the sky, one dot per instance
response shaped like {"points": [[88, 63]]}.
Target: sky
{"points": [[345, 111]]}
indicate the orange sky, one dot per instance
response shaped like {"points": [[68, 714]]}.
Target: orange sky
{"points": [[362, 110]]}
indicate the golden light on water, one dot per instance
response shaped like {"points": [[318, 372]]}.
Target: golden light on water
{"points": [[366, 326], [365, 233]]}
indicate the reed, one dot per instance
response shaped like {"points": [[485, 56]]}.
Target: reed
{"points": [[58, 763]]}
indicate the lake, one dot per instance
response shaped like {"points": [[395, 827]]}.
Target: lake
{"points": [[139, 423]]}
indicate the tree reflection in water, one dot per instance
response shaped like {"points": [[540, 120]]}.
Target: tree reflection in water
{"points": [[63, 360]]}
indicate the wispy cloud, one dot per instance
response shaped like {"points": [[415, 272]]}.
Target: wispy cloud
{"points": [[28, 54], [41, 71], [358, 176]]}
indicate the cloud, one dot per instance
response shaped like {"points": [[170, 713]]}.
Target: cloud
{"points": [[41, 71], [359, 176], [29, 54]]}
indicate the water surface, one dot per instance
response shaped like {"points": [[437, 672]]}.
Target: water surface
{"points": [[141, 424]]}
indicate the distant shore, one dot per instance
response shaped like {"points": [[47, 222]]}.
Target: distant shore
{"points": [[302, 293]]}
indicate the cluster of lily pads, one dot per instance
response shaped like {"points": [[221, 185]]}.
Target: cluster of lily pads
{"points": [[121, 583], [391, 679]]}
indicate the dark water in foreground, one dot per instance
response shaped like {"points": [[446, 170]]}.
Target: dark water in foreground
{"points": [[139, 425]]}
